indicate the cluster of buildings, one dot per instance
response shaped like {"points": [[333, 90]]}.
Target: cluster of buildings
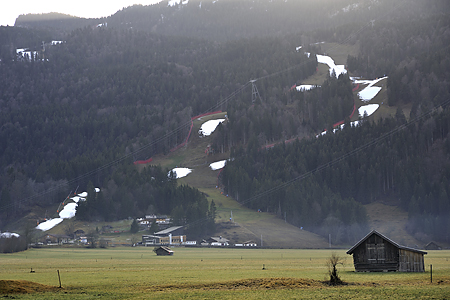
{"points": [[162, 221], [8, 235], [174, 236]]}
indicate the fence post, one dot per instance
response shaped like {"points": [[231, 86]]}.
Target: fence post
{"points": [[431, 273], [59, 277]]}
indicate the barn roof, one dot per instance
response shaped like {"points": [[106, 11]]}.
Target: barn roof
{"points": [[218, 239], [163, 248], [350, 251], [168, 230]]}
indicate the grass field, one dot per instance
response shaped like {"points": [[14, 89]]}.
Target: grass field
{"points": [[137, 273]]}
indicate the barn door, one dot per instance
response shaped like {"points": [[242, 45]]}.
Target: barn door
{"points": [[376, 253]]}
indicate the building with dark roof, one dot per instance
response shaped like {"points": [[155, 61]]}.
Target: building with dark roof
{"points": [[174, 230], [377, 253], [163, 250], [432, 246], [216, 241]]}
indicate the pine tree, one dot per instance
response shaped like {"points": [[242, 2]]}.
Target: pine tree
{"points": [[153, 228], [134, 228]]}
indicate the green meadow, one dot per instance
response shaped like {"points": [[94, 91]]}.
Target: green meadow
{"points": [[207, 273]]}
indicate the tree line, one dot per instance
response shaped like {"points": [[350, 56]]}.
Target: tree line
{"points": [[128, 192], [409, 168]]}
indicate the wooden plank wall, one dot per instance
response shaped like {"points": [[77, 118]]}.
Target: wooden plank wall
{"points": [[411, 261]]}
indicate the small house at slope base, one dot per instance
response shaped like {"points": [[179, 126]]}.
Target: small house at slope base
{"points": [[377, 253], [163, 251]]}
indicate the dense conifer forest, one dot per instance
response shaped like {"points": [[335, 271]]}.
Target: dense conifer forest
{"points": [[81, 111]]}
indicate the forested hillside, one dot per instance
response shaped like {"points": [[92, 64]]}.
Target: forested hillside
{"points": [[106, 96], [335, 174], [409, 168], [129, 193], [58, 23], [83, 110]]}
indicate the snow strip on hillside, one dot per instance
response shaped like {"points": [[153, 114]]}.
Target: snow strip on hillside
{"points": [[77, 199], [338, 69], [218, 165], [180, 172], [68, 212], [306, 87], [369, 109], [370, 91], [175, 2], [47, 225], [27, 53], [342, 126], [208, 127]]}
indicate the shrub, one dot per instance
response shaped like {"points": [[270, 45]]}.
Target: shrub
{"points": [[332, 262]]}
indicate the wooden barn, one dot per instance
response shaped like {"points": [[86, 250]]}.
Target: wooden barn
{"points": [[432, 246], [377, 253], [163, 250]]}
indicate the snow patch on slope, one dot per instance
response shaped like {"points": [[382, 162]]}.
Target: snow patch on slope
{"points": [[338, 69], [370, 91], [218, 165], [368, 109], [208, 127], [175, 2], [67, 212], [306, 87], [180, 172]]}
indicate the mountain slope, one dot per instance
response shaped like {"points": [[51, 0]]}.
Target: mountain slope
{"points": [[231, 19], [246, 224], [391, 221]]}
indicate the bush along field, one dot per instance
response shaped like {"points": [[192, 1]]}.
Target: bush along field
{"points": [[137, 273]]}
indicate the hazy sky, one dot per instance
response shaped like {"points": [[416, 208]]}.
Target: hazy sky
{"points": [[10, 10]]}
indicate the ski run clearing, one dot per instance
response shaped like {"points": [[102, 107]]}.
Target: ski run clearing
{"points": [[67, 212], [336, 69], [365, 95], [70, 209]]}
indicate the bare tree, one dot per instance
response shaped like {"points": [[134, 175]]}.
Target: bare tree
{"points": [[332, 262], [30, 232], [92, 238]]}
